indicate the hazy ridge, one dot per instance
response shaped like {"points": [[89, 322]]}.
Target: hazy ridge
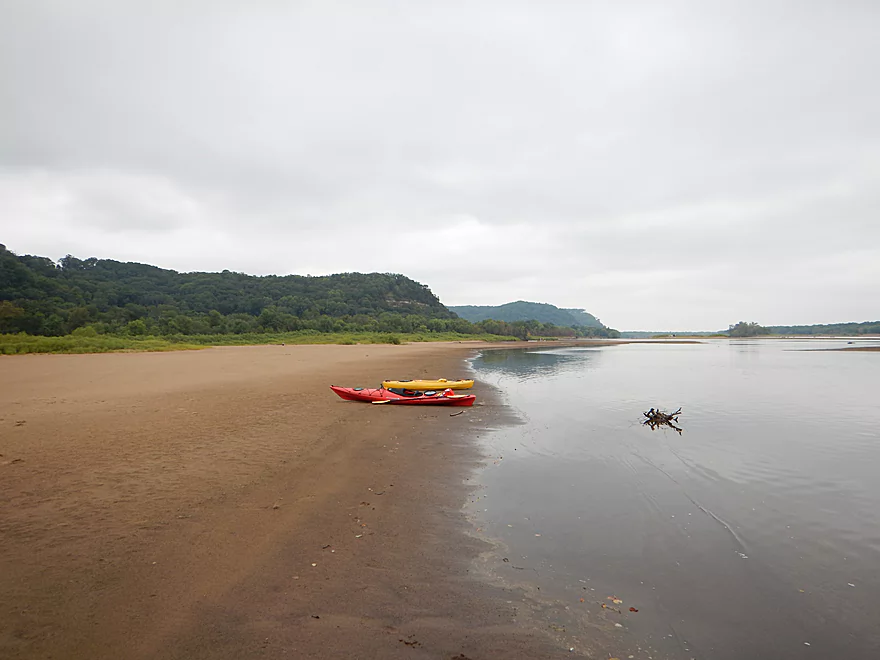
{"points": [[528, 311]]}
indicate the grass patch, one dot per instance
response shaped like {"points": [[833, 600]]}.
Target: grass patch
{"points": [[21, 343]]}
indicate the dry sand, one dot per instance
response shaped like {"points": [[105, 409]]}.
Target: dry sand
{"points": [[225, 504]]}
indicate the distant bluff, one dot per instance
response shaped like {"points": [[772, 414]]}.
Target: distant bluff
{"points": [[527, 311]]}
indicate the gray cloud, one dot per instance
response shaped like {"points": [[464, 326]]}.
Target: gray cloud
{"points": [[611, 156]]}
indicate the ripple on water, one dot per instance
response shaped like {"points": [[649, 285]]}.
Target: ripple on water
{"points": [[759, 517]]}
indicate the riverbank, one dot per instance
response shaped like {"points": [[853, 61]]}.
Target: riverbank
{"points": [[223, 504], [83, 341]]}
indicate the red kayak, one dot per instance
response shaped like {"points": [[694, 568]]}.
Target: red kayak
{"points": [[404, 397]]}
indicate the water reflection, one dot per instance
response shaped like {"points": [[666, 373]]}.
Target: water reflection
{"points": [[763, 517], [530, 364]]}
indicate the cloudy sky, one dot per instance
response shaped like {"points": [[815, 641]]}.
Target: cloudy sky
{"points": [[665, 165]]}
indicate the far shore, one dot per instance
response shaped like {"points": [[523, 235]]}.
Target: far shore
{"points": [[102, 344]]}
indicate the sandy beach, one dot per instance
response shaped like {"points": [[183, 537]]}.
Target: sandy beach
{"points": [[224, 504]]}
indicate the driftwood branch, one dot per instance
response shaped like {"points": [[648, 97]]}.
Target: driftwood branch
{"points": [[656, 418]]}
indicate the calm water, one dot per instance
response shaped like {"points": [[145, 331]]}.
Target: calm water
{"points": [[754, 534]]}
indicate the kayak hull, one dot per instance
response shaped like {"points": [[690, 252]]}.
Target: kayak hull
{"points": [[439, 384], [461, 400], [381, 395], [367, 394]]}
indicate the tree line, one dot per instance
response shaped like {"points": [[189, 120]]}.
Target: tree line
{"points": [[41, 297], [839, 329], [751, 329]]}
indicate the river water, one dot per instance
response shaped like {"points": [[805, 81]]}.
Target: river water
{"points": [[755, 533]]}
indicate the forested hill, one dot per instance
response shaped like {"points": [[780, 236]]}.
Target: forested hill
{"points": [[584, 318], [528, 311], [39, 296]]}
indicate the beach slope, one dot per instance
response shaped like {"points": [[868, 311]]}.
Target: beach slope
{"points": [[225, 504]]}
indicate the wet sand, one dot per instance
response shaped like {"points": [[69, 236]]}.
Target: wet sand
{"points": [[225, 504]]}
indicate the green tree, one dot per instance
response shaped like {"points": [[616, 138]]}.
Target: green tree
{"points": [[746, 329], [10, 317], [137, 327], [78, 317]]}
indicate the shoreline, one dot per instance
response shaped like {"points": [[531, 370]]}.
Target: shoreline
{"points": [[575, 632], [108, 344], [222, 503]]}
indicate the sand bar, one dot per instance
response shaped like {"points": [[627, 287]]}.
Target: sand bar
{"points": [[224, 504]]}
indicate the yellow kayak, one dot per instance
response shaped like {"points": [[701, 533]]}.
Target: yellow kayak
{"points": [[439, 384]]}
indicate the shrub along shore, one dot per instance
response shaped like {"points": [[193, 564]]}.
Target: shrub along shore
{"points": [[86, 340]]}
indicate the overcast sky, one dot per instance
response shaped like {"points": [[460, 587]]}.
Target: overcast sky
{"points": [[665, 165]]}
